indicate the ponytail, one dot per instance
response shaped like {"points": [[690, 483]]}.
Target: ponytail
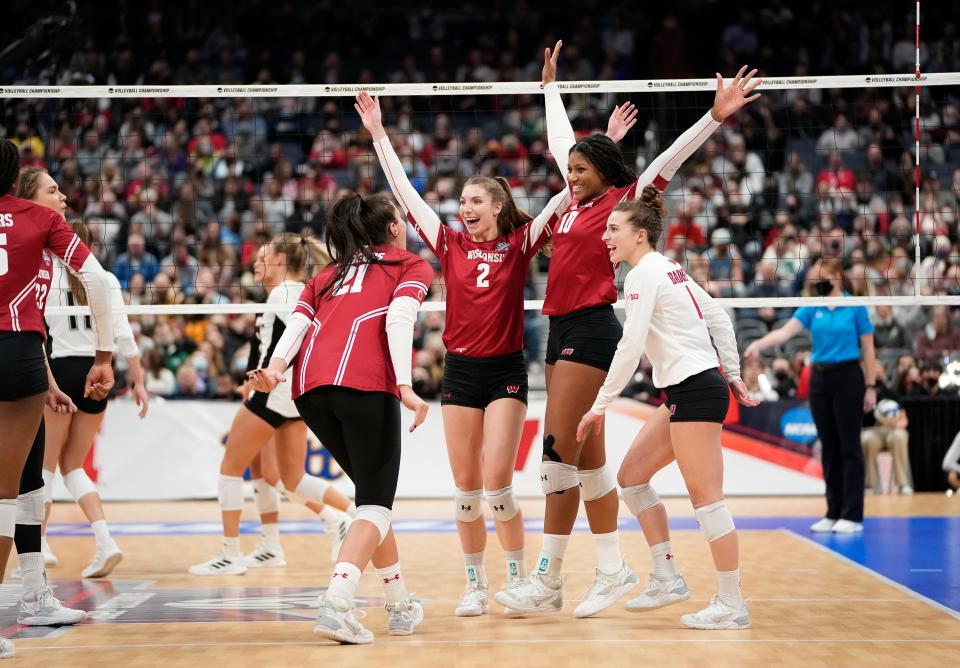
{"points": [[29, 182], [9, 166], [77, 288], [357, 225], [511, 217], [300, 252], [605, 155], [646, 213]]}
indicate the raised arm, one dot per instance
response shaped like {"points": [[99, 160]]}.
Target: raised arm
{"points": [[418, 212], [560, 135], [725, 103]]}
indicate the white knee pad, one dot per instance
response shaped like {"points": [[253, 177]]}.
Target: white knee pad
{"points": [[8, 517], [503, 504], [640, 498], [595, 483], [715, 520], [266, 497], [378, 516], [47, 485], [230, 492], [30, 508], [468, 504], [310, 488], [557, 476], [79, 484]]}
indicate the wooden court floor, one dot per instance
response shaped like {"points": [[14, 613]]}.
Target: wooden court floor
{"points": [[809, 607]]}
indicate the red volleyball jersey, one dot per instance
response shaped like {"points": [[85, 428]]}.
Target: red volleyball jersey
{"points": [[581, 274], [484, 281], [26, 230], [346, 343]]}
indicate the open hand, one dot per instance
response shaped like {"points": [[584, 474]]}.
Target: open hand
{"points": [[142, 398], [370, 115], [621, 120], [729, 100], [265, 380], [742, 394], [589, 423], [549, 74]]}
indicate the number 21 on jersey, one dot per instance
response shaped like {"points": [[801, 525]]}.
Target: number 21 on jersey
{"points": [[353, 280]]}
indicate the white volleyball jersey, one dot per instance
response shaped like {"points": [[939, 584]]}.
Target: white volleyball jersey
{"points": [[675, 322], [73, 335], [270, 327]]}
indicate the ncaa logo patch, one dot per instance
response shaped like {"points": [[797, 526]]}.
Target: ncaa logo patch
{"points": [[513, 389], [566, 351], [503, 246]]}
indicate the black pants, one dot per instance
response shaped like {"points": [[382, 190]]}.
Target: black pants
{"points": [[27, 536], [362, 432], [836, 401]]}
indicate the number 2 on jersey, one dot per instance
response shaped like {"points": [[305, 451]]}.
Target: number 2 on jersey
{"points": [[352, 280], [482, 280]]}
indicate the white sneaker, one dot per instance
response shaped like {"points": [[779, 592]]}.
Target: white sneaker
{"points": [[221, 564], [532, 594], [49, 558], [46, 610], [264, 556], [823, 526], [341, 626], [103, 562], [719, 616], [6, 649], [660, 593], [473, 602], [403, 617], [846, 526], [906, 490], [606, 590], [337, 531]]}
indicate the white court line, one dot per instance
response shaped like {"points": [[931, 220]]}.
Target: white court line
{"points": [[531, 641], [869, 571]]}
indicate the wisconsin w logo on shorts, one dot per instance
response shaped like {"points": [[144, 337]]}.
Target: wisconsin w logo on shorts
{"points": [[566, 351], [513, 389], [673, 409]]}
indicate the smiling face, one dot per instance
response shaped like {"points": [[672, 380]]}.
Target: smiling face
{"points": [[48, 194], [622, 238], [586, 181], [479, 211]]}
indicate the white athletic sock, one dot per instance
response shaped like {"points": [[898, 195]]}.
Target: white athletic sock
{"points": [[271, 534], [343, 585], [330, 517], [551, 554], [34, 574], [394, 588], [609, 559], [473, 565], [102, 534], [664, 565], [352, 510], [516, 565], [728, 583], [231, 546]]}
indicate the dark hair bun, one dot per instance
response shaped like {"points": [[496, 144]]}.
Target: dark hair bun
{"points": [[653, 198]]}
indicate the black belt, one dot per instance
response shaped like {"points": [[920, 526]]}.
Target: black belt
{"points": [[835, 365]]}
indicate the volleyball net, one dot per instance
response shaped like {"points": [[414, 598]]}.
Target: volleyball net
{"points": [[181, 185]]}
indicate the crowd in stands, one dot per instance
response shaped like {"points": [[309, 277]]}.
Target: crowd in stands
{"points": [[181, 193]]}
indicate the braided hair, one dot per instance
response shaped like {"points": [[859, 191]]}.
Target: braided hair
{"points": [[605, 155], [646, 213], [9, 166]]}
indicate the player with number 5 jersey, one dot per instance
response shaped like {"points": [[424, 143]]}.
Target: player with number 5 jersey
{"points": [[484, 389], [582, 338], [26, 231]]}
